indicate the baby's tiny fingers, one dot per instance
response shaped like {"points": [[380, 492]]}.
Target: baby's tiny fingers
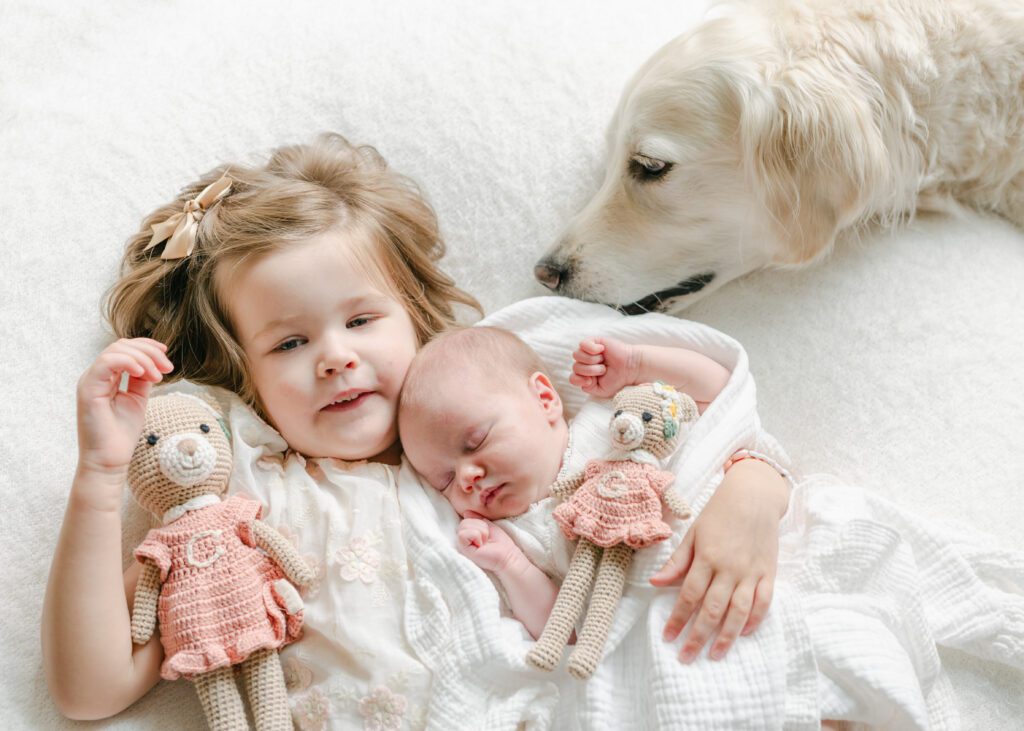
{"points": [[762, 601], [592, 346], [581, 356], [593, 371]]}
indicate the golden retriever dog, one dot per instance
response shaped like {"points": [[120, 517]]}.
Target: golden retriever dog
{"points": [[774, 126]]}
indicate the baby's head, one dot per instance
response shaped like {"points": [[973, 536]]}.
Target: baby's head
{"points": [[310, 285], [481, 422]]}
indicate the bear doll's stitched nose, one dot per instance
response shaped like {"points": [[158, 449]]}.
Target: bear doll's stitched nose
{"points": [[188, 447]]}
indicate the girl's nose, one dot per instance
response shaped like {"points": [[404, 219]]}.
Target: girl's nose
{"points": [[335, 357]]}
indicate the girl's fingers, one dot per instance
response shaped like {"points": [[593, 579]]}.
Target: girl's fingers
{"points": [[136, 354], [712, 612], [759, 608], [156, 351], [146, 351], [677, 565], [735, 620], [593, 371], [592, 346], [690, 594], [138, 387]]}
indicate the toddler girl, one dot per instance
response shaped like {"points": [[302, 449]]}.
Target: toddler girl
{"points": [[305, 286]]}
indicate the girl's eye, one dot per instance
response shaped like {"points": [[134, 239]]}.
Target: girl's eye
{"points": [[447, 481], [290, 344], [360, 321]]}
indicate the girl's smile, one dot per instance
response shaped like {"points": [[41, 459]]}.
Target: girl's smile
{"points": [[328, 346]]}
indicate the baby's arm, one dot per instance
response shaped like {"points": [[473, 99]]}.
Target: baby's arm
{"points": [[603, 366], [531, 593], [92, 668]]}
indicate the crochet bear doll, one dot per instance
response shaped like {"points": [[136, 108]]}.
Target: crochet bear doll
{"points": [[213, 574], [613, 508]]}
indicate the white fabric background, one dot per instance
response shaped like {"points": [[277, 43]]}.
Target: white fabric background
{"points": [[895, 364]]}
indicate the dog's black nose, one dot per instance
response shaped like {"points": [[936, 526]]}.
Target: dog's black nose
{"points": [[549, 273]]}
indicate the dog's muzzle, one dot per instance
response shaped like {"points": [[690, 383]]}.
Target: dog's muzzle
{"points": [[550, 273], [656, 302]]}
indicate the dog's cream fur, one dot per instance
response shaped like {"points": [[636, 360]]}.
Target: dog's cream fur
{"points": [[787, 122]]}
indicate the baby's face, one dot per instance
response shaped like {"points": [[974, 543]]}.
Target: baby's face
{"points": [[490, 450]]}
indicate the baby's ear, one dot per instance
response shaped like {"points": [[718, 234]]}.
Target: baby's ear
{"points": [[546, 394]]}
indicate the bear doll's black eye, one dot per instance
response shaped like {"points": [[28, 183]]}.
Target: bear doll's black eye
{"points": [[617, 414], [152, 439], [204, 428], [647, 416]]}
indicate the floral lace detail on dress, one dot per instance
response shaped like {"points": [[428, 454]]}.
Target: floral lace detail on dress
{"points": [[382, 710], [311, 710], [360, 559]]}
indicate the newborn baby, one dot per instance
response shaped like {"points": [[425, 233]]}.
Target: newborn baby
{"points": [[480, 420]]}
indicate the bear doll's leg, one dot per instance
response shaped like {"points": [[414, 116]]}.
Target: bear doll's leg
{"points": [[221, 701], [547, 651], [264, 684], [611, 579]]}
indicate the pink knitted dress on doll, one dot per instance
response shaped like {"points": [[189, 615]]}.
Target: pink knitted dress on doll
{"points": [[217, 603], [618, 502]]}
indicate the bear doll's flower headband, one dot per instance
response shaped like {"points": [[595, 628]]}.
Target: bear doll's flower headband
{"points": [[179, 231]]}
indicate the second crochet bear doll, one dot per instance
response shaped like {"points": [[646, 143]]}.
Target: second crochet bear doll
{"points": [[613, 508]]}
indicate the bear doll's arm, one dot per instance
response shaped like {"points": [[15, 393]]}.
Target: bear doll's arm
{"points": [[144, 610], [566, 486], [283, 553]]}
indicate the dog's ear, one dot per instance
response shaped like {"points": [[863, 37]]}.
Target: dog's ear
{"points": [[815, 154]]}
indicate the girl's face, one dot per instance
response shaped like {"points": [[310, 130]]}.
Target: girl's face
{"points": [[328, 348]]}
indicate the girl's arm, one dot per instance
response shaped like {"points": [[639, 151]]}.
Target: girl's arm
{"points": [[727, 560], [531, 593], [92, 668], [603, 366]]}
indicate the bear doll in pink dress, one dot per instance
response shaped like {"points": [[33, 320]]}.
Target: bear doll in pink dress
{"points": [[613, 508], [214, 575]]}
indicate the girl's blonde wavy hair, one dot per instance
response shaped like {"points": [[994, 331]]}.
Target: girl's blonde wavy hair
{"points": [[301, 192]]}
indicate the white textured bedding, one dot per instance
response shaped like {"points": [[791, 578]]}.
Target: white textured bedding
{"points": [[895, 364], [866, 592]]}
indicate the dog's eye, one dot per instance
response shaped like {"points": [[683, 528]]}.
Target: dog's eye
{"points": [[646, 169]]}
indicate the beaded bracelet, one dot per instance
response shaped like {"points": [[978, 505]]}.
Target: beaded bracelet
{"points": [[750, 454]]}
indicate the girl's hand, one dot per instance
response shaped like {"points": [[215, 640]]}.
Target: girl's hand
{"points": [[485, 544], [727, 561], [110, 420], [603, 366]]}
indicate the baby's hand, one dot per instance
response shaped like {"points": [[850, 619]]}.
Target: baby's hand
{"points": [[485, 544], [727, 562], [603, 366], [110, 420]]}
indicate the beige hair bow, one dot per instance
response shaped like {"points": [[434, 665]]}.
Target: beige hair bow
{"points": [[180, 229]]}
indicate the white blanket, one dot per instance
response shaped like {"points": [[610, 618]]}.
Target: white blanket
{"points": [[894, 363], [864, 592]]}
